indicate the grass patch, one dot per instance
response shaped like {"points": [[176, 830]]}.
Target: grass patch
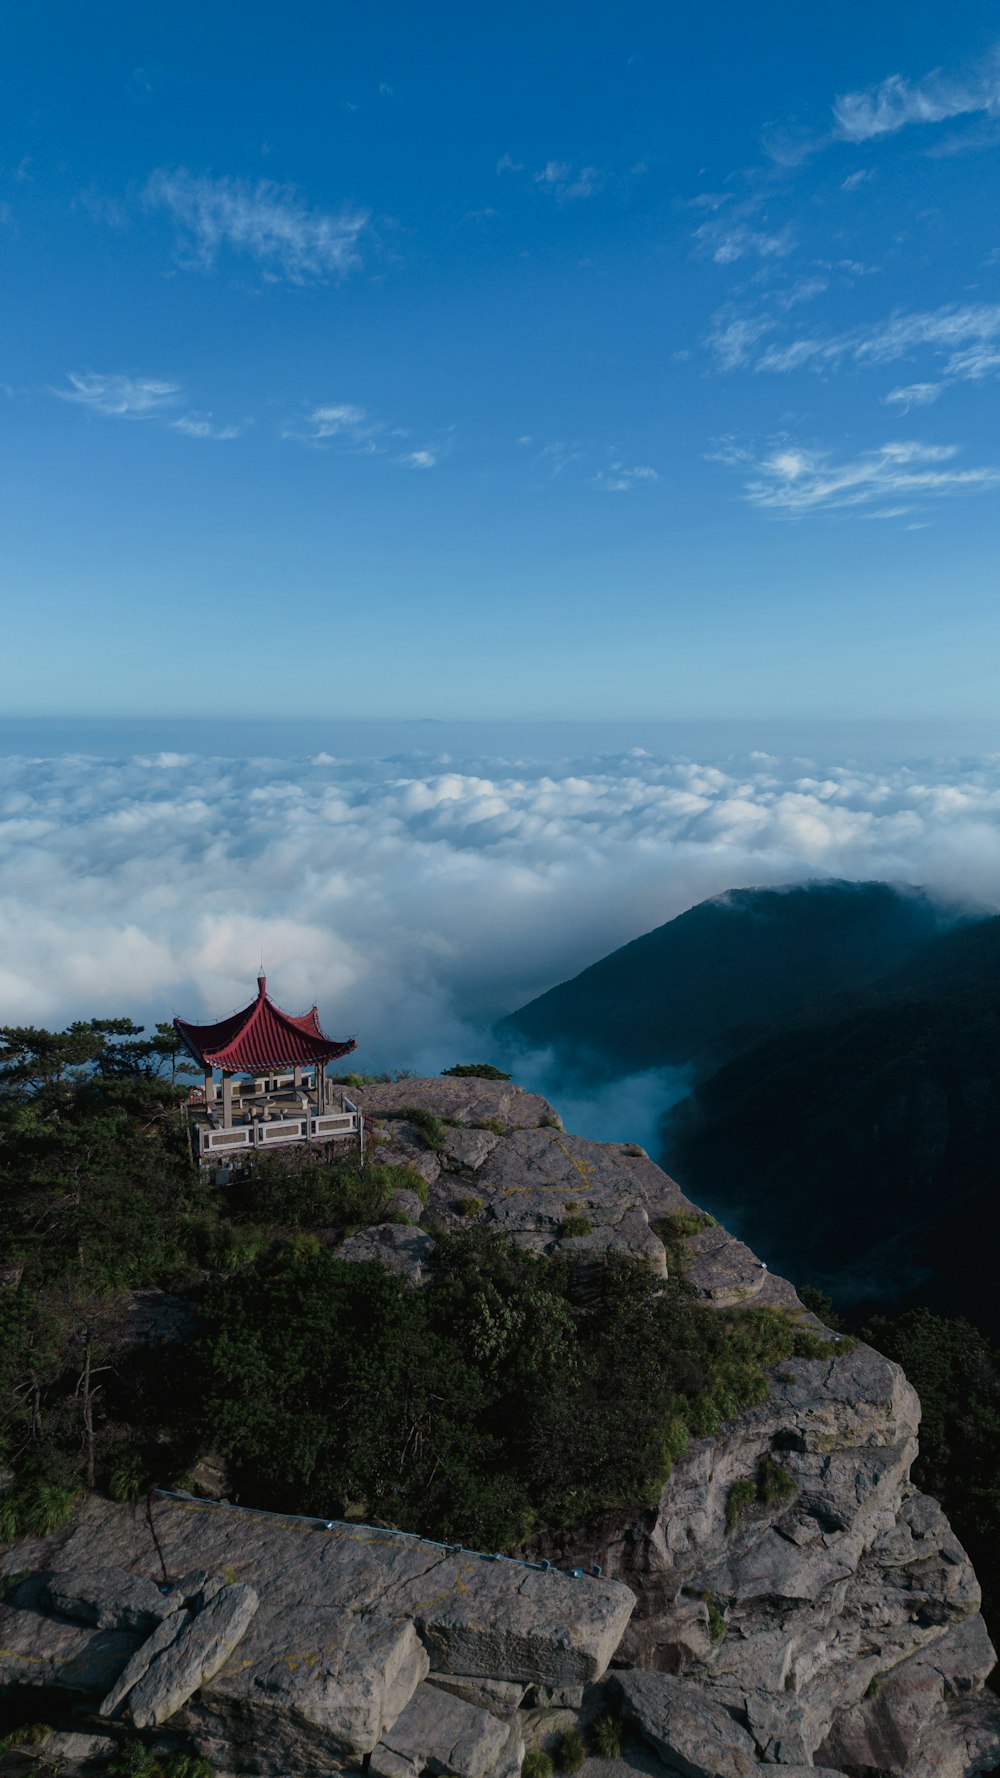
{"points": [[740, 1500], [468, 1207], [536, 1764], [675, 1231], [35, 1509], [575, 1226], [717, 1625], [774, 1484], [770, 1487], [133, 1759], [432, 1130], [570, 1751], [491, 1123], [606, 1736], [27, 1734]]}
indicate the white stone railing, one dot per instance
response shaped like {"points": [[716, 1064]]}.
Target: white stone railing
{"points": [[327, 1126]]}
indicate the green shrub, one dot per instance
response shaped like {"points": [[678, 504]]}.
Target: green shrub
{"points": [[34, 1509], [476, 1071], [819, 1304], [536, 1764], [431, 1129], [478, 1409], [574, 1226], [570, 1751], [27, 1734], [717, 1625], [187, 1765], [130, 1481], [675, 1231], [133, 1759], [874, 1687], [468, 1206], [491, 1123], [809, 1344], [774, 1484], [606, 1736], [349, 1192], [304, 1247], [742, 1497], [771, 1486]]}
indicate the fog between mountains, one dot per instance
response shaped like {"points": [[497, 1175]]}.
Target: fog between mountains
{"points": [[419, 897]]}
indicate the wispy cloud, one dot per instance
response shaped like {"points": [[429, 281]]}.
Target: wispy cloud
{"points": [[202, 426], [120, 397], [142, 398], [912, 395], [624, 478], [342, 425], [735, 338], [563, 180], [891, 105], [727, 242], [353, 431], [568, 183], [964, 337], [268, 223], [896, 102], [795, 481]]}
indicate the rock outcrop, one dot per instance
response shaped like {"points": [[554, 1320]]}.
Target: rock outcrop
{"points": [[791, 1601], [317, 1644]]}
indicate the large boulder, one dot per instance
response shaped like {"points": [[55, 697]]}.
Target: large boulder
{"points": [[397, 1246], [111, 1598], [192, 1658], [696, 1736], [465, 1099], [447, 1735]]}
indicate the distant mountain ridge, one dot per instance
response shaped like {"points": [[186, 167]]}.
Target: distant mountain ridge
{"points": [[845, 1046], [705, 984]]}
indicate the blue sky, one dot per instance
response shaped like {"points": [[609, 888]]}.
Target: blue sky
{"points": [[370, 360]]}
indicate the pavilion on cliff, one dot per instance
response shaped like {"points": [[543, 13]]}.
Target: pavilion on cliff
{"points": [[273, 1087]]}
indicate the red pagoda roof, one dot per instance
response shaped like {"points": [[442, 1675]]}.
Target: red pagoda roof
{"points": [[261, 1037]]}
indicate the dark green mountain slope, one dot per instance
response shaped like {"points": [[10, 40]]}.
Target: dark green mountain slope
{"points": [[715, 979], [862, 1150]]}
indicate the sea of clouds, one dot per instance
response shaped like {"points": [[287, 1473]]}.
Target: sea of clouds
{"points": [[417, 898]]}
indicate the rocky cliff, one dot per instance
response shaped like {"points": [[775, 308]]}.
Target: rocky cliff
{"points": [[791, 1599]]}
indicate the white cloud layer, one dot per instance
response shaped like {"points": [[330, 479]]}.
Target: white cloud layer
{"points": [[419, 898], [267, 222]]}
